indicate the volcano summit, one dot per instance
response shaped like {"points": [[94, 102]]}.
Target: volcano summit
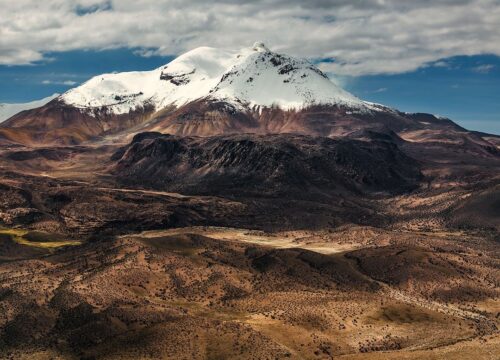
{"points": [[207, 92]]}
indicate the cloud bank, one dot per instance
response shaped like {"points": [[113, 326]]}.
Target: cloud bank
{"points": [[347, 37]]}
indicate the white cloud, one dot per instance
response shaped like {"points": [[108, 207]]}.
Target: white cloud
{"points": [[368, 37], [55, 82], [441, 64], [483, 69]]}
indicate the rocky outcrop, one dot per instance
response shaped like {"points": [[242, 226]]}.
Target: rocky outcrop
{"points": [[285, 165]]}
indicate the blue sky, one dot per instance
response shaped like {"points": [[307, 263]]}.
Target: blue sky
{"points": [[63, 71], [463, 88]]}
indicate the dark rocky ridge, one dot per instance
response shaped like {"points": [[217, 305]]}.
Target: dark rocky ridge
{"points": [[274, 165]]}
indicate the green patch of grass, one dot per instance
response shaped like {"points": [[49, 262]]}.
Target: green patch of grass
{"points": [[13, 232], [37, 239]]}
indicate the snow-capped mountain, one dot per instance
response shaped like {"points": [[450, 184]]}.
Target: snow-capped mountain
{"points": [[245, 78], [7, 110], [210, 92]]}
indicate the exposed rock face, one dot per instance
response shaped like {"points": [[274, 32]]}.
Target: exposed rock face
{"points": [[209, 118], [290, 165]]}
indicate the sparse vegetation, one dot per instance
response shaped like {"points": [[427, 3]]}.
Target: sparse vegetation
{"points": [[200, 288], [282, 246]]}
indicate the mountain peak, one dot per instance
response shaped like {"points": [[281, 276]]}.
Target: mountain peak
{"points": [[244, 78]]}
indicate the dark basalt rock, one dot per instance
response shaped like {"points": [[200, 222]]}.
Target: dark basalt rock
{"points": [[273, 165], [177, 79], [277, 60], [288, 68], [318, 71]]}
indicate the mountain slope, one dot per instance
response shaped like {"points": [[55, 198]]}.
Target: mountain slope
{"points": [[8, 110], [62, 124], [243, 82]]}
